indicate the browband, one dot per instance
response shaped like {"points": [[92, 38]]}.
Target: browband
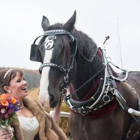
{"points": [[56, 32], [59, 32]]}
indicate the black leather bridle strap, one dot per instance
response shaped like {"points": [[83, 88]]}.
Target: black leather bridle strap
{"points": [[51, 65], [59, 32], [56, 32], [37, 38]]}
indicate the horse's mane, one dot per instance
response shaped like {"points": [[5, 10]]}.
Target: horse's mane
{"points": [[85, 44]]}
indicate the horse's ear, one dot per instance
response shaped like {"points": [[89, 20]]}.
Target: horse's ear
{"points": [[69, 25], [45, 23]]}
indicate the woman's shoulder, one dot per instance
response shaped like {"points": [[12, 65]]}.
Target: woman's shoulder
{"points": [[31, 100], [32, 103]]}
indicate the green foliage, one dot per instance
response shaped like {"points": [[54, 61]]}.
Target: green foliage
{"points": [[32, 77]]}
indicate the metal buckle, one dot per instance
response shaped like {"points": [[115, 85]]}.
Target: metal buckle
{"points": [[84, 111], [66, 78], [68, 97]]}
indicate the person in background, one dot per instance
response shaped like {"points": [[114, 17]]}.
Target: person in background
{"points": [[34, 123]]}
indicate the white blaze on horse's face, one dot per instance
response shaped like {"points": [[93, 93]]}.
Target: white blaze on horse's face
{"points": [[43, 93]]}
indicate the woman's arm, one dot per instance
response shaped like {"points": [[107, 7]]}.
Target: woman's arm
{"points": [[56, 114]]}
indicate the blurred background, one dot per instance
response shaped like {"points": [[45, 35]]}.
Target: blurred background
{"points": [[20, 24]]}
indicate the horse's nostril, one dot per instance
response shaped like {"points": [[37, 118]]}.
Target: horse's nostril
{"points": [[51, 98]]}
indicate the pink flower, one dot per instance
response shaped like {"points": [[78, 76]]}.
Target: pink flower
{"points": [[6, 116], [10, 111]]}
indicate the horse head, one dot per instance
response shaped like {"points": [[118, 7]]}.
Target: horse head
{"points": [[55, 51]]}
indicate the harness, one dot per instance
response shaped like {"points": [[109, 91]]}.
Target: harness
{"points": [[108, 94], [96, 101]]}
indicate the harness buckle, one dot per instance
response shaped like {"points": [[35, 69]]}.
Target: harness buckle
{"points": [[68, 97], [84, 111]]}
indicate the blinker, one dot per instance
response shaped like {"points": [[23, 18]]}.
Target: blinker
{"points": [[35, 54]]}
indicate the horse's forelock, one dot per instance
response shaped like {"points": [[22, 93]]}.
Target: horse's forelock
{"points": [[56, 26]]}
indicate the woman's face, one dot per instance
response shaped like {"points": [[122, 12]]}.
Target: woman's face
{"points": [[18, 86]]}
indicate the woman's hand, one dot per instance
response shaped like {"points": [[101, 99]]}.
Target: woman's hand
{"points": [[5, 134]]}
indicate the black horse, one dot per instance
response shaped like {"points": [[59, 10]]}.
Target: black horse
{"points": [[102, 102]]}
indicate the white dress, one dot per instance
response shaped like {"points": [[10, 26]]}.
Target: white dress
{"points": [[30, 127]]}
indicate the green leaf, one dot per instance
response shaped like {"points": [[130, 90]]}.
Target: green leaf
{"points": [[15, 119], [1, 127], [6, 121], [13, 138], [9, 121]]}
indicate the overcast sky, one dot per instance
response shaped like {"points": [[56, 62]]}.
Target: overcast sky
{"points": [[20, 24]]}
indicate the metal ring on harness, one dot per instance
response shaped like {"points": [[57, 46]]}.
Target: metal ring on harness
{"points": [[106, 98]]}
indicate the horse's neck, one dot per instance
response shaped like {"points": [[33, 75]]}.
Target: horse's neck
{"points": [[84, 71]]}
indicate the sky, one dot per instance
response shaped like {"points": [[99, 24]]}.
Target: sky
{"points": [[20, 24]]}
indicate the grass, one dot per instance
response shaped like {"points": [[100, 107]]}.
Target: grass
{"points": [[34, 93]]}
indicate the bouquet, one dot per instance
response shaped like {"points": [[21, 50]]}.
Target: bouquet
{"points": [[8, 106]]}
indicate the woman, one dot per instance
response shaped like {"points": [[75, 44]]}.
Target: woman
{"points": [[34, 123]]}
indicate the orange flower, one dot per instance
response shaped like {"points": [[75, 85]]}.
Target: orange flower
{"points": [[4, 103], [13, 101], [3, 97]]}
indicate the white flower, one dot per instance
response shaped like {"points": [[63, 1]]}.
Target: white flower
{"points": [[3, 110]]}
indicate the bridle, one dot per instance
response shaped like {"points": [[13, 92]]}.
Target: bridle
{"points": [[49, 44], [63, 69]]}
